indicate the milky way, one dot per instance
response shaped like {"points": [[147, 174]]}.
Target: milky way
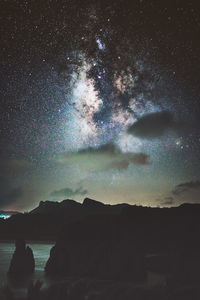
{"points": [[78, 78]]}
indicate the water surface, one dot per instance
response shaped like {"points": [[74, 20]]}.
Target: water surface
{"points": [[41, 254]]}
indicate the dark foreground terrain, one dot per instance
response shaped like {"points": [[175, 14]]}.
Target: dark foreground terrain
{"points": [[106, 252], [102, 290]]}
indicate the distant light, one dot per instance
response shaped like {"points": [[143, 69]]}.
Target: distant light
{"points": [[2, 216]]}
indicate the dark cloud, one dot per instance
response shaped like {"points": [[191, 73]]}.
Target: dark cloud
{"points": [[187, 186], [154, 125], [135, 158], [104, 158], [168, 200], [106, 148], [67, 192], [8, 194]]}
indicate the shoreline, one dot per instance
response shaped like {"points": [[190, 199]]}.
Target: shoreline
{"points": [[28, 241]]}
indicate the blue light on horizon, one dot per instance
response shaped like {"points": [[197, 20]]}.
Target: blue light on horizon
{"points": [[2, 216]]}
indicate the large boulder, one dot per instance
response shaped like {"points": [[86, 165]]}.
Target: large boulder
{"points": [[98, 248], [22, 262]]}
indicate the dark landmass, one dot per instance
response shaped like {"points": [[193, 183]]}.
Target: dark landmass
{"points": [[106, 251], [78, 289], [47, 220], [116, 246], [71, 208], [99, 247]]}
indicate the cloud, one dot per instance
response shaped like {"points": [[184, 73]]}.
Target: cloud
{"points": [[155, 125], [108, 149], [187, 186], [67, 192], [105, 157], [136, 158], [8, 194], [168, 200]]}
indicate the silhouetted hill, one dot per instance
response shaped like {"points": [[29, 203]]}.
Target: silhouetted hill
{"points": [[66, 207], [46, 221], [116, 246], [114, 242], [70, 208]]}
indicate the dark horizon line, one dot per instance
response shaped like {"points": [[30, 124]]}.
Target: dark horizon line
{"points": [[100, 203]]}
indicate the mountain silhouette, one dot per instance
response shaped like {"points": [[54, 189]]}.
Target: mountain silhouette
{"points": [[116, 246], [47, 220], [114, 242], [71, 207]]}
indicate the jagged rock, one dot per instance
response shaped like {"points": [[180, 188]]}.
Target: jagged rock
{"points": [[22, 262]]}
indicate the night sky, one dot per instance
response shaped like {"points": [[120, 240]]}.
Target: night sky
{"points": [[99, 99]]}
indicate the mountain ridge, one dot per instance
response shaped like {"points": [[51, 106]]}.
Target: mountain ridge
{"points": [[88, 204], [48, 219]]}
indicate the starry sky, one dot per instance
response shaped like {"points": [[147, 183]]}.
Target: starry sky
{"points": [[99, 99]]}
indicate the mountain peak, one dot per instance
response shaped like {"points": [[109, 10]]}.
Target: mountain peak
{"points": [[92, 203]]}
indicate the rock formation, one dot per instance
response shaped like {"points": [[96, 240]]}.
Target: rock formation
{"points": [[22, 262], [97, 248]]}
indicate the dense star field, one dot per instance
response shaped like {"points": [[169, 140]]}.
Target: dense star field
{"points": [[99, 99]]}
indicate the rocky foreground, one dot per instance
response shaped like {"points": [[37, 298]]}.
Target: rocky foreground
{"points": [[106, 253], [90, 289]]}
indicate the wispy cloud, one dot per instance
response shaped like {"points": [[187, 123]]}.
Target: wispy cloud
{"points": [[187, 186], [68, 192], [104, 158]]}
